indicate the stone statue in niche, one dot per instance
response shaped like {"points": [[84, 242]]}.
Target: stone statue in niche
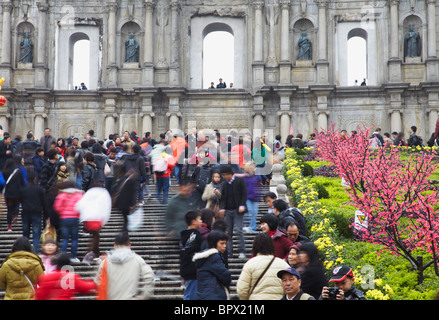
{"points": [[305, 47], [26, 49], [132, 49], [412, 44]]}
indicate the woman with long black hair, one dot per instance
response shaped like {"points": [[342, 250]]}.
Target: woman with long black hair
{"points": [[14, 182]]}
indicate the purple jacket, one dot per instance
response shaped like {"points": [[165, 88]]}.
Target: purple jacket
{"points": [[253, 190]]}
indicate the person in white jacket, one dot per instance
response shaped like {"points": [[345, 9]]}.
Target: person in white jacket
{"points": [[95, 210], [128, 275], [269, 286]]}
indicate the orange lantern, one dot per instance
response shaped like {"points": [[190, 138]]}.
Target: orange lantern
{"points": [[2, 99]]}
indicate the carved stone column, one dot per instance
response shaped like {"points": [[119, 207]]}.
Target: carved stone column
{"points": [[322, 62], [432, 59], [285, 61], [395, 120], [394, 62], [111, 48], [41, 64], [6, 44], [147, 114], [110, 116], [174, 68], [148, 46], [258, 64], [40, 117]]}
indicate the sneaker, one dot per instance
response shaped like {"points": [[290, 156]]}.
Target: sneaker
{"points": [[241, 256], [88, 259], [75, 261], [9, 228], [246, 229]]}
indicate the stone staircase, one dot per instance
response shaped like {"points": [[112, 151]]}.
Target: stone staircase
{"points": [[149, 242]]}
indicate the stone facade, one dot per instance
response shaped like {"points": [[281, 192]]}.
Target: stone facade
{"points": [[273, 90]]}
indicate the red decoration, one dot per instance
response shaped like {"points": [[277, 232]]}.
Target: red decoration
{"points": [[2, 101]]}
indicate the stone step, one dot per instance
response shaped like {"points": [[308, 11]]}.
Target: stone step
{"points": [[160, 253]]}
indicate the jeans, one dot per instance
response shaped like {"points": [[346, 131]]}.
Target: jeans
{"points": [[190, 292], [70, 230], [34, 220], [235, 220], [79, 181], [13, 206], [252, 207], [162, 184]]}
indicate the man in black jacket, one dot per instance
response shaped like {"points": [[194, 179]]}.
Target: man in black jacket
{"points": [[6, 149], [48, 171], [287, 215], [34, 205], [233, 202]]}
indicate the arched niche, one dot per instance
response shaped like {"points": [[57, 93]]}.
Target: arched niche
{"points": [[218, 54], [345, 31], [303, 25], [357, 59], [125, 31], [21, 30], [200, 28], [416, 22], [65, 44]]}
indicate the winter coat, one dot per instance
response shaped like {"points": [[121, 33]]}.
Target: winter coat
{"points": [[100, 161], [239, 193], [48, 174], [12, 272], [286, 216], [52, 286], [3, 156], [209, 195], [253, 190], [281, 244], [65, 203], [89, 175], [190, 244], [95, 205], [125, 195], [46, 142], [213, 278], [129, 277], [177, 207], [269, 287], [12, 189], [137, 162], [33, 199], [38, 163]]}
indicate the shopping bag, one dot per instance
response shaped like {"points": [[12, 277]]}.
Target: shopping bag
{"points": [[135, 219]]}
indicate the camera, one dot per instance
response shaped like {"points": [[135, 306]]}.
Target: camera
{"points": [[332, 293]]}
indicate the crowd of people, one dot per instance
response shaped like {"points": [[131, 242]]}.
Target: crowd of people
{"points": [[60, 185]]}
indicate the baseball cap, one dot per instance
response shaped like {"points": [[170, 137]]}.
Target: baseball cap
{"points": [[290, 271], [340, 273]]}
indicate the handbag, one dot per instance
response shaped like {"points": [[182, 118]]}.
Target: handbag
{"points": [[262, 274], [107, 169], [135, 219]]}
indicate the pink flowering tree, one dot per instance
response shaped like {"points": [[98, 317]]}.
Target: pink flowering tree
{"points": [[398, 202]]}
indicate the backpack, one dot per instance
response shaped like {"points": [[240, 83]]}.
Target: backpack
{"points": [[202, 178], [416, 141], [160, 164]]}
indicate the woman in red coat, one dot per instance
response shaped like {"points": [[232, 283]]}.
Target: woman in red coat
{"points": [[62, 284], [282, 244]]}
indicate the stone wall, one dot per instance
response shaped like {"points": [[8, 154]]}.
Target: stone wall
{"points": [[274, 89]]}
